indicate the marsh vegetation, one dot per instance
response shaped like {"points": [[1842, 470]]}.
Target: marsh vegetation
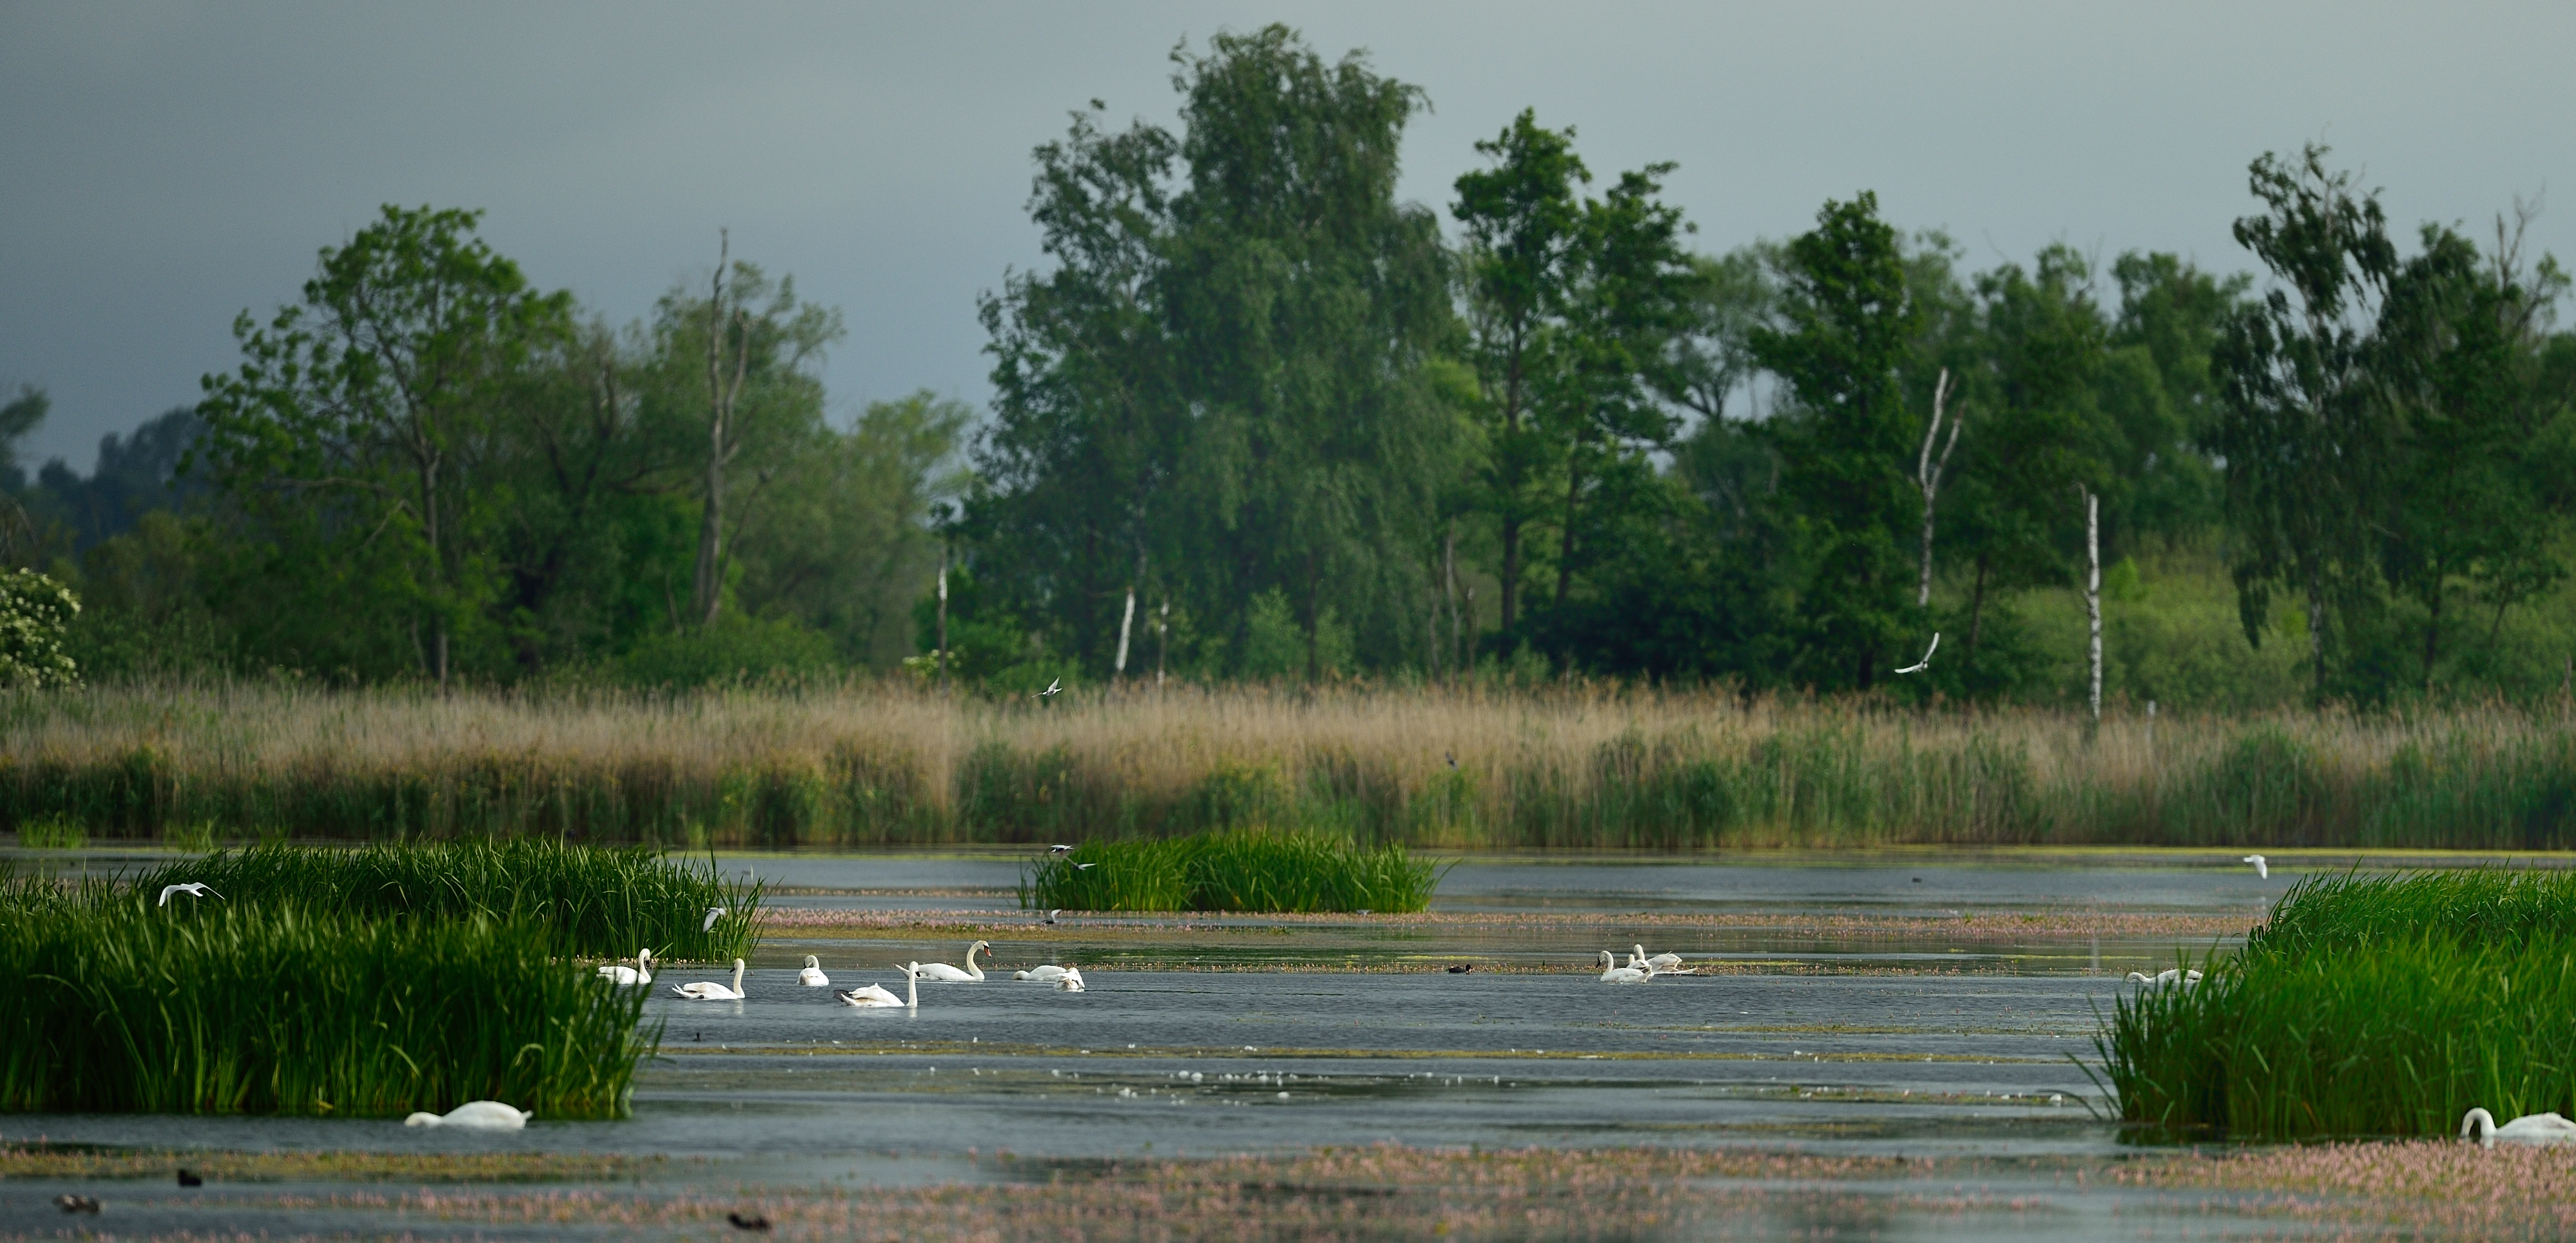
{"points": [[1232, 870], [2365, 1006], [863, 764]]}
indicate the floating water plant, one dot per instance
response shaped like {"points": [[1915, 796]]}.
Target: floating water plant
{"points": [[2366, 1006], [117, 1006], [1238, 870], [589, 900]]}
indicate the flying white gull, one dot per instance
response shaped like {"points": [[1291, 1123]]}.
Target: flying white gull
{"points": [[1917, 666]]}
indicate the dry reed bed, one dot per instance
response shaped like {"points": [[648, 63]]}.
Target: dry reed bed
{"points": [[864, 764]]}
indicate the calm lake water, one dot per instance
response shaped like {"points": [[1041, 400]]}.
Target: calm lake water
{"points": [[1208, 1037]]}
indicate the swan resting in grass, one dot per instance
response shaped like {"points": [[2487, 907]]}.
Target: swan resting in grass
{"points": [[1660, 964], [640, 973], [476, 1116], [701, 990], [2527, 1129], [875, 997], [812, 976], [1613, 973], [1048, 974], [972, 973], [2170, 975]]}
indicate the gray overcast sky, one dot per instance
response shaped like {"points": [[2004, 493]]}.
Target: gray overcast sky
{"points": [[164, 166]]}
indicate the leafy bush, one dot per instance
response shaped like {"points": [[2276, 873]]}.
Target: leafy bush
{"points": [[35, 613]]}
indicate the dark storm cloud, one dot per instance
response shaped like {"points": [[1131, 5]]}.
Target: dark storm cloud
{"points": [[167, 166]]}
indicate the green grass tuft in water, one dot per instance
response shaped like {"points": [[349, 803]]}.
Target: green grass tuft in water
{"points": [[118, 1006], [587, 900], [1237, 870], [2382, 1005]]}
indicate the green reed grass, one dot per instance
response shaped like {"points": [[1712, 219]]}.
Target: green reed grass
{"points": [[115, 1005], [587, 900], [2366, 1005], [1240, 870], [1581, 766]]}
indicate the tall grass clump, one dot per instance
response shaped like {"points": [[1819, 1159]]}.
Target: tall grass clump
{"points": [[1583, 766], [1238, 870], [585, 899], [115, 1005], [2384, 1005]]}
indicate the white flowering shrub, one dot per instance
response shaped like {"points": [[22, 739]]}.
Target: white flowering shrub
{"points": [[35, 613]]}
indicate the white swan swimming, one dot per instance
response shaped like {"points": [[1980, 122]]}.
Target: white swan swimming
{"points": [[1048, 974], [812, 976], [1070, 981], [2527, 1129], [1660, 964], [1613, 973], [2170, 975], [972, 973], [875, 997], [701, 990], [477, 1116], [640, 973]]}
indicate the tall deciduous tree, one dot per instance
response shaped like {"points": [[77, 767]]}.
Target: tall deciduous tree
{"points": [[1847, 330], [356, 420], [2302, 440]]}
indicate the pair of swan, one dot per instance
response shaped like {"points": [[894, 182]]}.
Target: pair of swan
{"points": [[1613, 973], [875, 997], [2527, 1129], [2170, 975], [640, 973], [702, 990], [495, 1116]]}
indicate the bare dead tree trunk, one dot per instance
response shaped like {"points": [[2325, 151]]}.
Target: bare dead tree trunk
{"points": [[2093, 588], [708, 592], [1927, 476], [1126, 622], [943, 618]]}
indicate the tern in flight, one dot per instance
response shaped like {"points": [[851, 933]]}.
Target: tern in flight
{"points": [[194, 890], [1917, 666], [2262, 868], [1052, 687], [714, 913]]}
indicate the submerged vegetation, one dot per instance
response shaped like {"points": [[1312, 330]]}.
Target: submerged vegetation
{"points": [[2365, 1006], [863, 764], [585, 900], [1245, 870], [117, 1005]]}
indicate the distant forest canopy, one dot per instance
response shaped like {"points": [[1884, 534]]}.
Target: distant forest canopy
{"points": [[1258, 418]]}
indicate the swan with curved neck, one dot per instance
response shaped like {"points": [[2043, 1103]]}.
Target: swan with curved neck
{"points": [[2527, 1129], [640, 973], [702, 990], [1613, 973], [1660, 964], [972, 973], [476, 1116], [812, 976]]}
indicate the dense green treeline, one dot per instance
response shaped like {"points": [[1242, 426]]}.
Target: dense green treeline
{"points": [[1259, 418]]}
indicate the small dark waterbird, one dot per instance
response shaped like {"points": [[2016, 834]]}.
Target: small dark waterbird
{"points": [[189, 1179], [753, 1222], [1059, 849], [76, 1204], [1462, 968]]}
